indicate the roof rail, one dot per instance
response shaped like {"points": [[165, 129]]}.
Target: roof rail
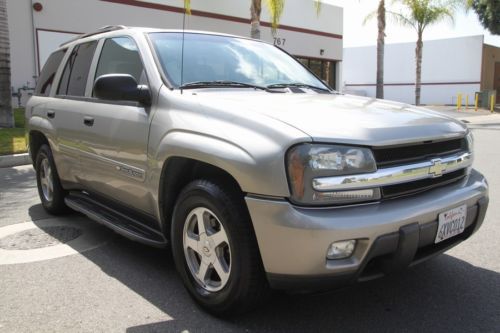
{"points": [[101, 30]]}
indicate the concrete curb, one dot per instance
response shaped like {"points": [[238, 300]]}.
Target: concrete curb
{"points": [[7, 161]]}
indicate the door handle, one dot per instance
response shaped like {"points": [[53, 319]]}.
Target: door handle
{"points": [[89, 121], [51, 114]]}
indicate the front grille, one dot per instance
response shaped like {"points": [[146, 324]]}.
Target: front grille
{"points": [[417, 152], [398, 190]]}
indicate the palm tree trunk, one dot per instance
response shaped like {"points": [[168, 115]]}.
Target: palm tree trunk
{"points": [[418, 74], [6, 116], [255, 10], [380, 48]]}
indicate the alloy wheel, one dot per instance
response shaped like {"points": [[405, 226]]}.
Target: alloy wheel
{"points": [[206, 249]]}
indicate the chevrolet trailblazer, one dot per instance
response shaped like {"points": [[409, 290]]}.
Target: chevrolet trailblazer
{"points": [[254, 172]]}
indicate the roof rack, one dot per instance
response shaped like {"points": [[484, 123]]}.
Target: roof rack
{"points": [[101, 30]]}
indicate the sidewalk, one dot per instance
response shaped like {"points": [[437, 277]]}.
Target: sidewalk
{"points": [[8, 161], [469, 115]]}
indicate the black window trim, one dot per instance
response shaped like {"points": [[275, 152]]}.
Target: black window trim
{"points": [[100, 101]]}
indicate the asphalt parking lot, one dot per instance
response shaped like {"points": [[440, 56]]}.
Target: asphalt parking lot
{"points": [[100, 282]]}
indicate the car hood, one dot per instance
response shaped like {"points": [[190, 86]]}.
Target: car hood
{"points": [[338, 118]]}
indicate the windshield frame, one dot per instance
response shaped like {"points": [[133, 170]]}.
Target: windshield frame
{"points": [[173, 86]]}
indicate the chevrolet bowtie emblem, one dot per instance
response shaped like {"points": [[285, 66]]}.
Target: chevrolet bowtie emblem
{"points": [[437, 168]]}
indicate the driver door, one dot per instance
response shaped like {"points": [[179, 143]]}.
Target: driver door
{"points": [[115, 139]]}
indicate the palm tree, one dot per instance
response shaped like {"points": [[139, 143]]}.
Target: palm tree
{"points": [[419, 14], [6, 116], [275, 8], [255, 11], [380, 13]]}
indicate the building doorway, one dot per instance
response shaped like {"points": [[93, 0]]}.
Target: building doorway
{"points": [[325, 69], [496, 81]]}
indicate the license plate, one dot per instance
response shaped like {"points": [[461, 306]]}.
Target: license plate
{"points": [[451, 223]]}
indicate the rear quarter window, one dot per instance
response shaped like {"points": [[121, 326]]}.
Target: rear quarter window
{"points": [[48, 73]]}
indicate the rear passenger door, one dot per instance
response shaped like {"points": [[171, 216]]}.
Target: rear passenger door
{"points": [[66, 110], [115, 157]]}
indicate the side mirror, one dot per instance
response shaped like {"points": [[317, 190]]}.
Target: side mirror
{"points": [[121, 87]]}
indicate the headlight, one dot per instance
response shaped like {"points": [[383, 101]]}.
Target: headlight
{"points": [[308, 161], [470, 142]]}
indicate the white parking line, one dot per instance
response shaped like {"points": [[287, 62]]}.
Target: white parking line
{"points": [[92, 237]]}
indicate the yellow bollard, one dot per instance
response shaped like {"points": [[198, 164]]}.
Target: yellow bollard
{"points": [[466, 101], [459, 102], [477, 101], [492, 102]]}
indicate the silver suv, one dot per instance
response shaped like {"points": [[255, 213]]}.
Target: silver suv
{"points": [[254, 172]]}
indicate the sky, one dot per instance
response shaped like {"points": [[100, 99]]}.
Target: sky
{"points": [[357, 34]]}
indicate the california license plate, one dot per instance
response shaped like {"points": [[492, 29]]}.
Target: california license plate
{"points": [[451, 223]]}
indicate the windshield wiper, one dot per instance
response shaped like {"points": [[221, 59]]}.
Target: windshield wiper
{"points": [[220, 83], [298, 85]]}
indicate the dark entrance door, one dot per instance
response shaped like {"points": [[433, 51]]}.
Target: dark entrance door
{"points": [[496, 80]]}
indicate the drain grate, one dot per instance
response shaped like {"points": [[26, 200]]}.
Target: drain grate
{"points": [[39, 238]]}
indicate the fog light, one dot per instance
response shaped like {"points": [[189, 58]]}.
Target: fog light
{"points": [[347, 196], [341, 249]]}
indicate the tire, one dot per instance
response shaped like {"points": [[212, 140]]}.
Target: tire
{"points": [[49, 187], [242, 283]]}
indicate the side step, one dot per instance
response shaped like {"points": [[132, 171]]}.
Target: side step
{"points": [[117, 221]]}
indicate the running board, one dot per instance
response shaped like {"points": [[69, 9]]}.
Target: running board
{"points": [[117, 221]]}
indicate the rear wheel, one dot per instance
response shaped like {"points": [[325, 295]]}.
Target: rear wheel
{"points": [[49, 187], [215, 250]]}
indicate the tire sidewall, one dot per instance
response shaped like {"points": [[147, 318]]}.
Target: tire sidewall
{"points": [[208, 198], [53, 206]]}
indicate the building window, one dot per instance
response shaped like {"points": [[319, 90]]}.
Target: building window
{"points": [[324, 69]]}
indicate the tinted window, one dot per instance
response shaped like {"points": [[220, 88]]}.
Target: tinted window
{"points": [[48, 73], [76, 71], [120, 56]]}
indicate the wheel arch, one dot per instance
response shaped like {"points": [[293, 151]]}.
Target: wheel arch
{"points": [[36, 140], [179, 171]]}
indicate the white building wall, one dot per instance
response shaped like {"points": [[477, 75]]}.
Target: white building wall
{"points": [[449, 67], [34, 34]]}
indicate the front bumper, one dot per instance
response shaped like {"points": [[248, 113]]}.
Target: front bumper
{"points": [[391, 235]]}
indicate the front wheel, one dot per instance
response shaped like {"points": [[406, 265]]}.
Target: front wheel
{"points": [[215, 250]]}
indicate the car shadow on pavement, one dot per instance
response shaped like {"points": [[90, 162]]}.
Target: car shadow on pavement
{"points": [[444, 294]]}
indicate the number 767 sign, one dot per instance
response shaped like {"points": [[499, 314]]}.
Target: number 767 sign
{"points": [[279, 41]]}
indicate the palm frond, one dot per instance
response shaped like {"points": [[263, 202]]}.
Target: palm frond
{"points": [[275, 8], [370, 16], [317, 5], [437, 14], [187, 6], [401, 19]]}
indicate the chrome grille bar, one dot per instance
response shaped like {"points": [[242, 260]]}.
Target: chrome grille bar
{"points": [[395, 175]]}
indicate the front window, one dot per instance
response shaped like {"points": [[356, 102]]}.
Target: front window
{"points": [[210, 58]]}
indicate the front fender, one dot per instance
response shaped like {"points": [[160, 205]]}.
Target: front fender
{"points": [[259, 171]]}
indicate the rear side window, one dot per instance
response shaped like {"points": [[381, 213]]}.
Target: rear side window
{"points": [[48, 73], [120, 56], [76, 71]]}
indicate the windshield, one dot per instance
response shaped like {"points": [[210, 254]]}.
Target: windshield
{"points": [[211, 58]]}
